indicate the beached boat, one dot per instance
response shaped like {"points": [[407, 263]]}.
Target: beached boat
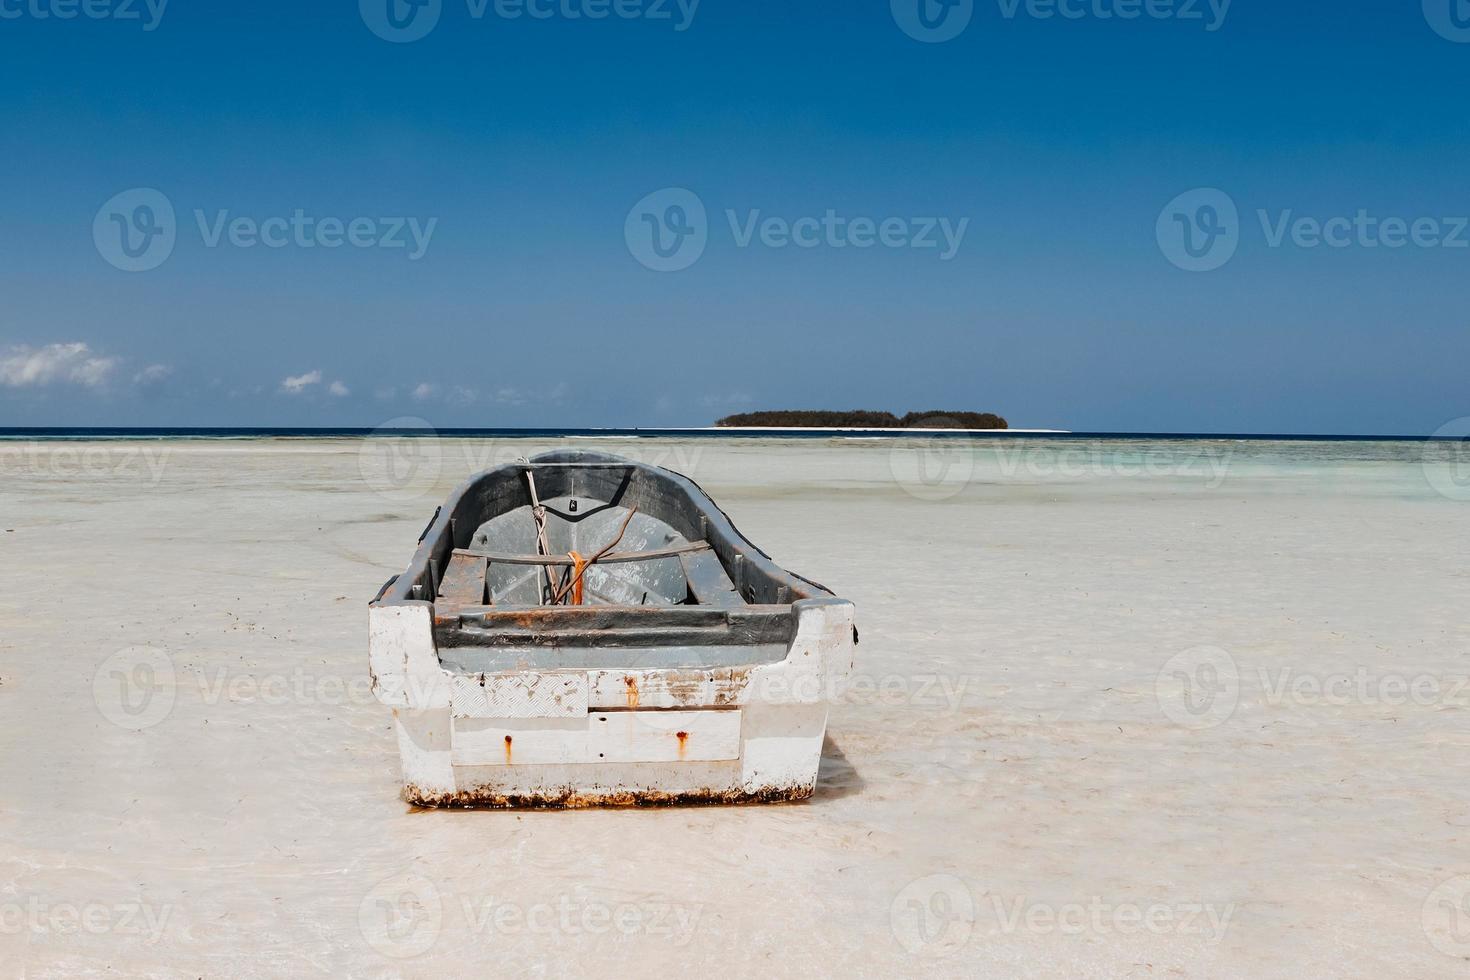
{"points": [[584, 630]]}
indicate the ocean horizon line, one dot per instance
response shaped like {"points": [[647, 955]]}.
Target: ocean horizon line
{"points": [[348, 432]]}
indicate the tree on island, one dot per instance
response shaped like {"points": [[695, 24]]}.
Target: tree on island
{"points": [[857, 419]]}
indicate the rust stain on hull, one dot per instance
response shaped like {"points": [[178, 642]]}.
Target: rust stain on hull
{"points": [[631, 683], [487, 798]]}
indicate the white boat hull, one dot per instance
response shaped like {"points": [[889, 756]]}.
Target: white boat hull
{"points": [[673, 730]]}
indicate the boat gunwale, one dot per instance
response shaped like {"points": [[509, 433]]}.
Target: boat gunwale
{"points": [[719, 531]]}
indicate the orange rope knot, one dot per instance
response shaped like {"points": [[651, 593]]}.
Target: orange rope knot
{"points": [[578, 565]]}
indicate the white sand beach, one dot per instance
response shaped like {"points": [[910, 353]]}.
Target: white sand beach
{"points": [[1019, 785]]}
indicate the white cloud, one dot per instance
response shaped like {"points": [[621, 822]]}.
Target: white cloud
{"points": [[338, 389], [463, 395], [73, 363], [298, 384], [153, 374]]}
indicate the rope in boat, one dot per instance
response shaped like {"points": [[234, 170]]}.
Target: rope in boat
{"points": [[576, 579], [579, 564], [572, 581], [538, 513]]}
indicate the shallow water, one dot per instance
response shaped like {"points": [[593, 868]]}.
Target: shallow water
{"points": [[1122, 708]]}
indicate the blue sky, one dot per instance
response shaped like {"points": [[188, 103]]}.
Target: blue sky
{"points": [[530, 153]]}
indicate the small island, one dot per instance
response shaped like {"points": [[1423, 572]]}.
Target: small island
{"points": [[862, 420]]}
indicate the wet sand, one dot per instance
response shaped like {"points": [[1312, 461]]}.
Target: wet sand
{"points": [[1184, 710]]}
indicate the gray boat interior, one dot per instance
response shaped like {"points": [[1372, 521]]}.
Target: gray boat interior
{"points": [[681, 587]]}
